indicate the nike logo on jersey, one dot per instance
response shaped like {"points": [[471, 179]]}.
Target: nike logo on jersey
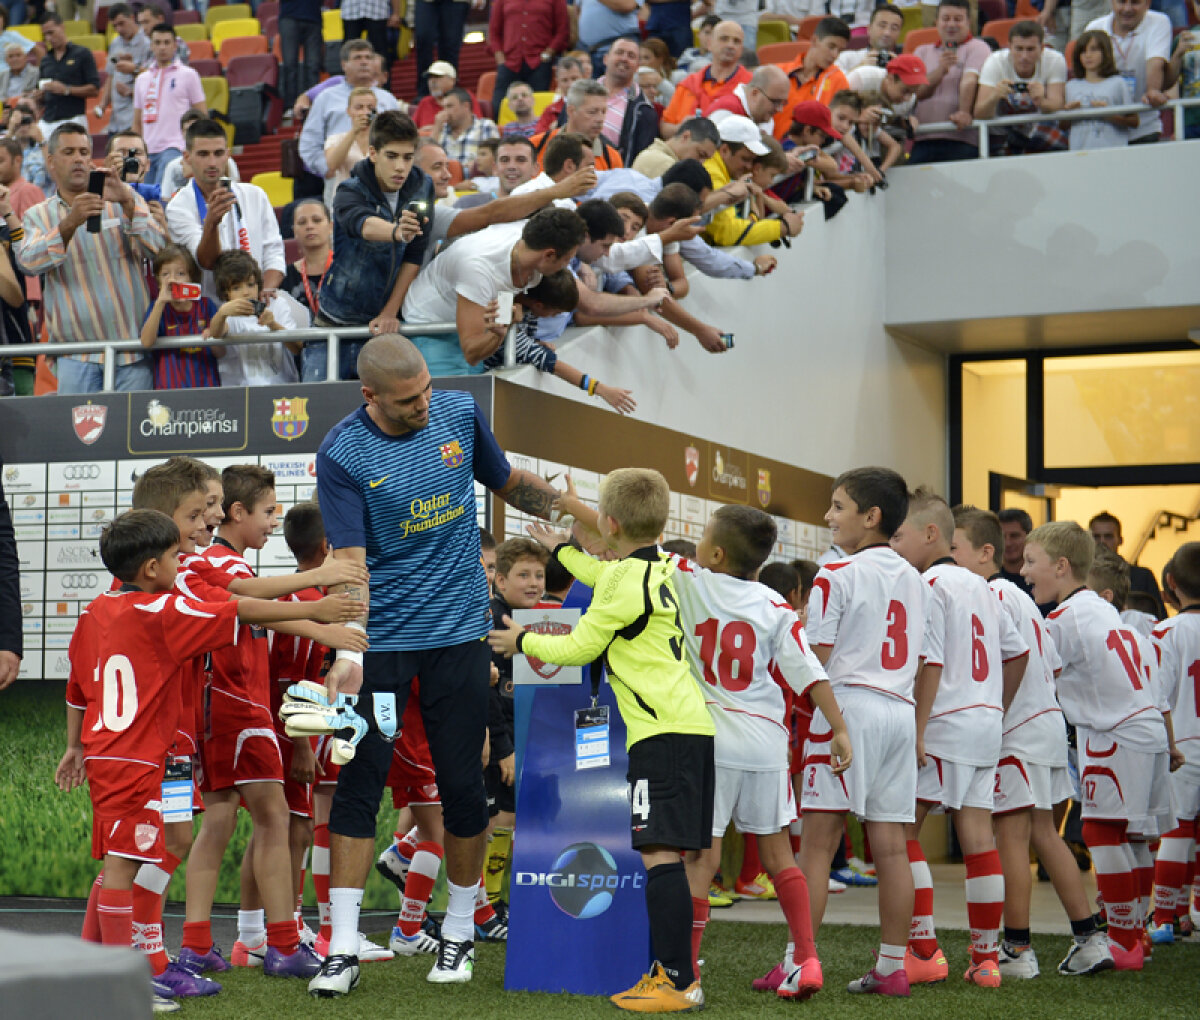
{"points": [[375, 485]]}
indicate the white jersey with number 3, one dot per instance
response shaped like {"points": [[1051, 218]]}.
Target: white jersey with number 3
{"points": [[1178, 644], [869, 610], [736, 631], [970, 637], [1034, 729], [1103, 684]]}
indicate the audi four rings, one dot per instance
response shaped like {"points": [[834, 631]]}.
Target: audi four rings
{"points": [[81, 472], [79, 582]]}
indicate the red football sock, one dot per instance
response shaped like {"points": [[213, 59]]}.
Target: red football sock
{"points": [[115, 910], [418, 887], [149, 885], [319, 865], [699, 922], [1170, 872], [197, 936], [1113, 859], [407, 843], [484, 911], [922, 937], [751, 865], [985, 904], [283, 936], [792, 889], [91, 919], [1143, 877]]}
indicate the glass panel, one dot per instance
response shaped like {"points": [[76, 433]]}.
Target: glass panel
{"points": [[993, 426], [1117, 410]]}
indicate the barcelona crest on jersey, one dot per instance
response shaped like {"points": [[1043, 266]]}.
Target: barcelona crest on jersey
{"points": [[290, 420], [452, 455]]}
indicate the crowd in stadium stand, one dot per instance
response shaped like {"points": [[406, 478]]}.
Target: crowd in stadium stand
{"points": [[672, 133]]}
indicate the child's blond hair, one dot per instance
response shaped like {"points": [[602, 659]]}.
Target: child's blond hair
{"points": [[1066, 540], [1109, 571], [639, 500]]}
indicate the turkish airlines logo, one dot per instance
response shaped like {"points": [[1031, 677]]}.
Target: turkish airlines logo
{"points": [[88, 422]]}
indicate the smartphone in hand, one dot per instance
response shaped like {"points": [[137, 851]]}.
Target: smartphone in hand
{"points": [[96, 181]]}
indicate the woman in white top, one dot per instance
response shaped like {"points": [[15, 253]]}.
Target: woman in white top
{"points": [[345, 149], [1097, 83]]}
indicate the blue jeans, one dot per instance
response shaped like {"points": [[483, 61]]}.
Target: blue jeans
{"points": [[440, 22], [295, 36], [314, 360], [158, 163], [76, 376]]}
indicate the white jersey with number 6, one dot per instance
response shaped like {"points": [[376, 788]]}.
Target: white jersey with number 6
{"points": [[968, 635], [738, 633], [1103, 684], [1034, 730], [869, 610]]}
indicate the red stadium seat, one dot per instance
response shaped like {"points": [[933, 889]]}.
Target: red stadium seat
{"points": [[919, 37], [999, 30], [241, 46], [251, 69], [185, 18], [206, 67], [782, 52], [808, 26]]}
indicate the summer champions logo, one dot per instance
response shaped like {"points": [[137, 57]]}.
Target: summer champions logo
{"points": [[160, 420], [195, 422], [582, 880]]}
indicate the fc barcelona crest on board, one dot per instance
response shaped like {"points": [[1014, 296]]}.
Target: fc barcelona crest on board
{"points": [[290, 420]]}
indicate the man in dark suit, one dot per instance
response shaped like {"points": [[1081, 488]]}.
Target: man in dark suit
{"points": [[1106, 531], [11, 647]]}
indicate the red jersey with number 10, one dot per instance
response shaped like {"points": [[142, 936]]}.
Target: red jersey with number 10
{"points": [[128, 655], [1103, 684], [870, 610]]}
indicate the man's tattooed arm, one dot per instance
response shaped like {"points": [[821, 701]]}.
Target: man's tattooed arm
{"points": [[528, 493]]}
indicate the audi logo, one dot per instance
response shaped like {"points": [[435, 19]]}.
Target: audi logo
{"points": [[81, 472], [79, 582]]}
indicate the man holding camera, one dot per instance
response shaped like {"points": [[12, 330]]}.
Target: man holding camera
{"points": [[161, 95], [380, 216], [212, 214], [1025, 78], [883, 40]]}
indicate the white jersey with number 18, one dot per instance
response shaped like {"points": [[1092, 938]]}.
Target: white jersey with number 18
{"points": [[869, 609], [738, 633]]}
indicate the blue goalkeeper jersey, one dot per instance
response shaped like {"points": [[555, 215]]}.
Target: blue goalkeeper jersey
{"points": [[410, 501]]}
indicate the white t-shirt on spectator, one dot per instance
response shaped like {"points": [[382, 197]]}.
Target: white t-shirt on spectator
{"points": [[256, 214], [478, 267], [869, 78], [259, 364], [543, 180], [1152, 38], [1098, 133], [1050, 70]]}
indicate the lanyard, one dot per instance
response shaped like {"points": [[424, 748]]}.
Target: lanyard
{"points": [[303, 271], [239, 228]]}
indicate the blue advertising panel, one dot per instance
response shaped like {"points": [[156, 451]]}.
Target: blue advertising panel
{"points": [[577, 919]]}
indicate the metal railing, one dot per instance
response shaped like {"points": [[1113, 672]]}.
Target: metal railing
{"points": [[332, 335], [985, 127]]}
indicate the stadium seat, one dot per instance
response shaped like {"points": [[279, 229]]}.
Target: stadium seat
{"points": [[235, 28], [456, 172], [773, 32], [919, 37], [332, 29], [206, 67], [291, 249], [73, 29], [1026, 10], [279, 189], [100, 57], [186, 18], [483, 91], [999, 30], [247, 106], [226, 12], [782, 53], [912, 20], [242, 46], [89, 40], [97, 125], [201, 49], [192, 33], [808, 26], [267, 9], [270, 27], [31, 32], [100, 22], [540, 101], [1069, 53], [249, 68], [992, 10], [216, 94], [99, 144]]}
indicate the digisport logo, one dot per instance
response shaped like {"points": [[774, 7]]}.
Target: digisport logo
{"points": [[582, 881], [81, 472]]}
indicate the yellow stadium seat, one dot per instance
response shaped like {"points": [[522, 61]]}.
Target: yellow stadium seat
{"points": [[90, 40], [226, 13], [540, 101], [912, 21], [216, 94], [332, 29], [279, 189], [191, 33], [74, 28], [31, 32], [773, 32], [223, 30]]}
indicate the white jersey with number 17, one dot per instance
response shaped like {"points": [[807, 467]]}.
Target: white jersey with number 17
{"points": [[869, 610], [738, 633]]}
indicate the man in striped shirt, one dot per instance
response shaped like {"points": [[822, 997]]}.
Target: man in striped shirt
{"points": [[396, 484], [93, 284]]}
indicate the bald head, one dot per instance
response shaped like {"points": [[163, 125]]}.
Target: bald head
{"points": [[766, 92], [388, 359], [768, 75], [726, 46]]}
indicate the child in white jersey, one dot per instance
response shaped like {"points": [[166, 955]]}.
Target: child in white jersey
{"points": [[1032, 775]]}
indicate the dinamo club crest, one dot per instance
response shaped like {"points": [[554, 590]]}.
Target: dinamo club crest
{"points": [[691, 464], [547, 670], [764, 487], [88, 422], [290, 420]]}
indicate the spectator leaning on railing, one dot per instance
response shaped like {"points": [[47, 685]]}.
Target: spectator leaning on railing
{"points": [[1141, 41], [1024, 78], [952, 64], [93, 286], [883, 36]]}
